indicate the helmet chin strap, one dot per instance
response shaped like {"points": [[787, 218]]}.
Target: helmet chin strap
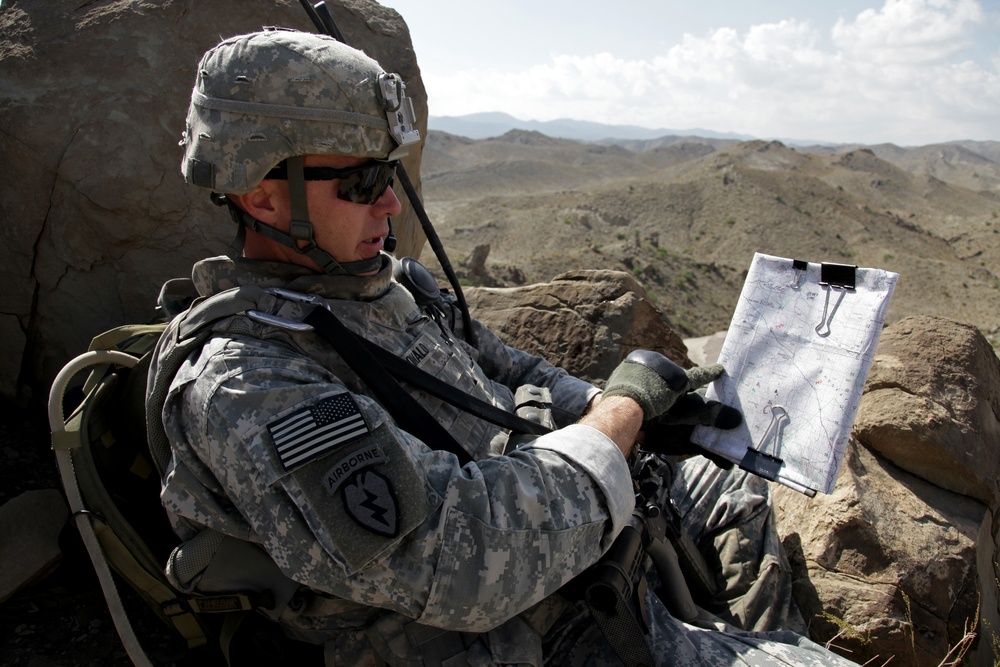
{"points": [[301, 230]]}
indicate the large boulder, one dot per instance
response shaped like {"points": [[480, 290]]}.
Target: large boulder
{"points": [[95, 212], [900, 560], [888, 566], [931, 405], [584, 321]]}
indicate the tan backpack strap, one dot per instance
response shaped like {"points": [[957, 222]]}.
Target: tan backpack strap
{"points": [[109, 340], [152, 588], [112, 340], [156, 395], [74, 496]]}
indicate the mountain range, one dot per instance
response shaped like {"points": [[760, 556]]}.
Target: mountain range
{"points": [[494, 123], [685, 214]]}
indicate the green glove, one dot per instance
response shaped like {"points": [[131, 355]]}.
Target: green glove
{"points": [[655, 382], [670, 433]]}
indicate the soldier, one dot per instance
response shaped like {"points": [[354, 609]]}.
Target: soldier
{"points": [[293, 473]]}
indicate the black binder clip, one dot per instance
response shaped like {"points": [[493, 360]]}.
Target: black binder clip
{"points": [[761, 463], [835, 277], [757, 460], [838, 275]]}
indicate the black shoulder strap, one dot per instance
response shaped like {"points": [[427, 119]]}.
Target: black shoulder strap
{"points": [[447, 392], [404, 408]]}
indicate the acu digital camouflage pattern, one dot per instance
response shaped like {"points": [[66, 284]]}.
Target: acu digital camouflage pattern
{"points": [[730, 510], [483, 549], [554, 505], [261, 98]]}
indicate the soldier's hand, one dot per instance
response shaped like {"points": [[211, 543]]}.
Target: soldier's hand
{"points": [[670, 433], [655, 382]]}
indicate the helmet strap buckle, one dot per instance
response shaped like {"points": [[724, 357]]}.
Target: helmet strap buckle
{"points": [[301, 230]]}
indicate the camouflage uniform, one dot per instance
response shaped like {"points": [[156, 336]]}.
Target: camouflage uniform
{"points": [[397, 552]]}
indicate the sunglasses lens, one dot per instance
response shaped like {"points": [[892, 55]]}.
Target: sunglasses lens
{"points": [[367, 184]]}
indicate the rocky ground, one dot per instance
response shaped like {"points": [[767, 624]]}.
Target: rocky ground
{"points": [[686, 219]]}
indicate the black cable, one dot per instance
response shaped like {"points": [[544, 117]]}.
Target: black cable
{"points": [[408, 413], [438, 248], [314, 17], [329, 25]]}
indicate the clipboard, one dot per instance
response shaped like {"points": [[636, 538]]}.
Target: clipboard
{"points": [[797, 354]]}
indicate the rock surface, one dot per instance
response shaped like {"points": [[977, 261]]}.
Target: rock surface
{"points": [[584, 321], [887, 563], [932, 404], [29, 538], [96, 214]]}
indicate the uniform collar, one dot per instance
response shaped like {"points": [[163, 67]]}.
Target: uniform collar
{"points": [[217, 274]]}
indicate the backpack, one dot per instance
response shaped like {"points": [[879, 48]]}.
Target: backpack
{"points": [[110, 480], [111, 477]]}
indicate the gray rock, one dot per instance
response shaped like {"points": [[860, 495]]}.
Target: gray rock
{"points": [[584, 321], [29, 538]]}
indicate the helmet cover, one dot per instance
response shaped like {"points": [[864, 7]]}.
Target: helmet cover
{"points": [[263, 97]]}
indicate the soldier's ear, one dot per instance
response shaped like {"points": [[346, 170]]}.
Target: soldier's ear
{"points": [[267, 202]]}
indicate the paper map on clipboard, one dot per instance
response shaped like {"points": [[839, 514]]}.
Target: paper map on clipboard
{"points": [[797, 354]]}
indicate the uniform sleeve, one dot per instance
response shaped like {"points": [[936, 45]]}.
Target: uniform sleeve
{"points": [[513, 368], [347, 503]]}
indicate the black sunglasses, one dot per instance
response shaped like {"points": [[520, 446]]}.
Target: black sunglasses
{"points": [[364, 184]]}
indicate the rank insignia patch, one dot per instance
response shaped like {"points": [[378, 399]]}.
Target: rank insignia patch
{"points": [[370, 501], [313, 431]]}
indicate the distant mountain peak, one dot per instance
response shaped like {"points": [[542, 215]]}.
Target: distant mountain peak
{"points": [[485, 125], [528, 138]]}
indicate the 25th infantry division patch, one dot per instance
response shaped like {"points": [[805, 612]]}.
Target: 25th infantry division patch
{"points": [[371, 502]]}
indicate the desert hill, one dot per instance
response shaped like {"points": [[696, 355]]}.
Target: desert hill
{"points": [[685, 215]]}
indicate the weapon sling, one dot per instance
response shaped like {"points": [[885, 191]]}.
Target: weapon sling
{"points": [[410, 414], [378, 369]]}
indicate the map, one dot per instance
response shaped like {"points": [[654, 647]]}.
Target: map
{"points": [[797, 354]]}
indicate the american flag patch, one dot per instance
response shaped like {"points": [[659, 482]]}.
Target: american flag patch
{"points": [[313, 431]]}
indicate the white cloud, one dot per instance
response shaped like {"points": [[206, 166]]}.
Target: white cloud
{"points": [[909, 31], [888, 75]]}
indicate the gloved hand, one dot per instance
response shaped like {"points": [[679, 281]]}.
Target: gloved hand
{"points": [[655, 382], [670, 433]]}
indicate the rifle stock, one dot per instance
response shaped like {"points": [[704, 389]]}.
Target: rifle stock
{"points": [[617, 581]]}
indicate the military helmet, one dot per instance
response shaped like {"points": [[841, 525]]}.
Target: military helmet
{"points": [[264, 97]]}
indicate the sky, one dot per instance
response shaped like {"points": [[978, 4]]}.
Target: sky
{"points": [[909, 72]]}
